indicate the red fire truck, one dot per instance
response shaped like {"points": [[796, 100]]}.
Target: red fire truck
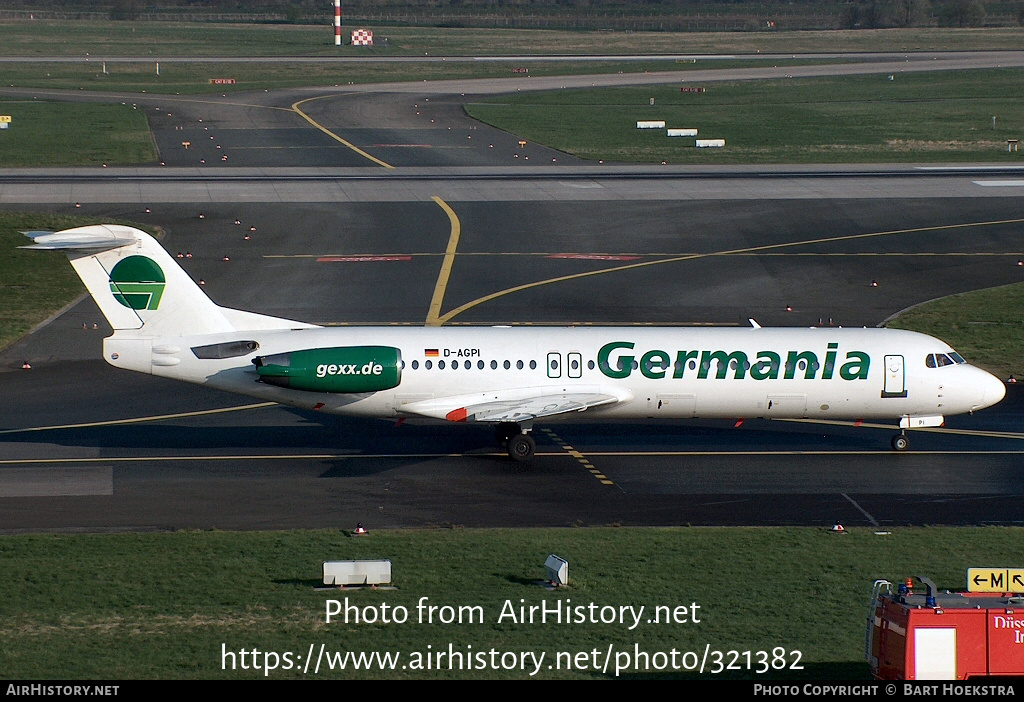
{"points": [[947, 636]]}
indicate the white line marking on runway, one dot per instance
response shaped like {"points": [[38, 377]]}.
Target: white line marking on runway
{"points": [[860, 509]]}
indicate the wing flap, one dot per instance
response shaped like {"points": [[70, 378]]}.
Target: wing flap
{"points": [[519, 405]]}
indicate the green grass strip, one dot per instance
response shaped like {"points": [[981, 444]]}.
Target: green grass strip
{"points": [[923, 117], [163, 605], [98, 40], [44, 134]]}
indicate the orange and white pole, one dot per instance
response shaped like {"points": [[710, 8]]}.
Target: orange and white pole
{"points": [[337, 22]]}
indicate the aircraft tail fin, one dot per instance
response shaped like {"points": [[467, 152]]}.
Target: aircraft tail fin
{"points": [[138, 286]]}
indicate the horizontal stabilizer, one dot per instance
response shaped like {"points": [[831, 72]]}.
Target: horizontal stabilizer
{"points": [[96, 237]]}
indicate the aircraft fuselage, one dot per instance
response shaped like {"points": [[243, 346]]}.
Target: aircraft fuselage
{"points": [[669, 372]]}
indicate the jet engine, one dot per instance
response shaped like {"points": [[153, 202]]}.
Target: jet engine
{"points": [[347, 369]]}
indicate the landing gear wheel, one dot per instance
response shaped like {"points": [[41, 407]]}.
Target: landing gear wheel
{"points": [[505, 431], [521, 447], [900, 442]]}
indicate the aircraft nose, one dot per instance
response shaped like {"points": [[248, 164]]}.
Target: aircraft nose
{"points": [[993, 390]]}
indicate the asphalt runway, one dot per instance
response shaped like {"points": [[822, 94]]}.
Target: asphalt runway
{"points": [[87, 447]]}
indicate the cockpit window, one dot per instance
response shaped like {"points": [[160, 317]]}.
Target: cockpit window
{"points": [[937, 360]]}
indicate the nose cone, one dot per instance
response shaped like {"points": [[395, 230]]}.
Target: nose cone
{"points": [[993, 389]]}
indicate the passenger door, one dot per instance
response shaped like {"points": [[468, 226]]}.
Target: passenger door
{"points": [[895, 377]]}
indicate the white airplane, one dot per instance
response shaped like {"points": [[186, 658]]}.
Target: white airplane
{"points": [[511, 377]]}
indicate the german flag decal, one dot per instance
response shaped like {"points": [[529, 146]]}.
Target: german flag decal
{"points": [[431, 353]]}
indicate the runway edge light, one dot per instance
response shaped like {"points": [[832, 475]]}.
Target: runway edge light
{"points": [[557, 570]]}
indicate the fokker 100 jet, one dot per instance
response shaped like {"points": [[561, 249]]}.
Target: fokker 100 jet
{"points": [[164, 324]]}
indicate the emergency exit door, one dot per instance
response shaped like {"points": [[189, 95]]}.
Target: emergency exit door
{"points": [[554, 365], [895, 377], [574, 364]]}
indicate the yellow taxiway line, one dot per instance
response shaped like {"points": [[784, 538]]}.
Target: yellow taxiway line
{"points": [[328, 132], [934, 430], [580, 457], [568, 255], [138, 420], [547, 454], [434, 313], [729, 252]]}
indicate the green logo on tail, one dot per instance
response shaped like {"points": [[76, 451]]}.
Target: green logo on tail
{"points": [[137, 282]]}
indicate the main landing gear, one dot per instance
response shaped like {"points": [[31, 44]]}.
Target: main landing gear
{"points": [[900, 442], [512, 437]]}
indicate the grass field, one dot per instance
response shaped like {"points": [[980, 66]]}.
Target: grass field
{"points": [[63, 134], [123, 606], [104, 39], [986, 327], [931, 117]]}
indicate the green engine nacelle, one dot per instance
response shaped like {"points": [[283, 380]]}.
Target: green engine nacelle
{"points": [[339, 369]]}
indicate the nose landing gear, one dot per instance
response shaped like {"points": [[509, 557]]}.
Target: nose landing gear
{"points": [[900, 442]]}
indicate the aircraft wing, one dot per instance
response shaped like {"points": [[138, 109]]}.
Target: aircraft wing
{"points": [[518, 405]]}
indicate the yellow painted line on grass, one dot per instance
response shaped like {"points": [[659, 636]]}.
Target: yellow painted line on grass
{"points": [[434, 313], [328, 132], [138, 420], [728, 252]]}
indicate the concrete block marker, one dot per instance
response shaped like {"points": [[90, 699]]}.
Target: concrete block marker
{"points": [[342, 573]]}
